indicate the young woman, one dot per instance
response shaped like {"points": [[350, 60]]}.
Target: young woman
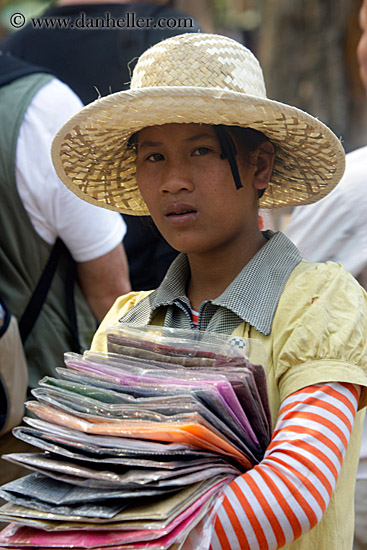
{"points": [[197, 145]]}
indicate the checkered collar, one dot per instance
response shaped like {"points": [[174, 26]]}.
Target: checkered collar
{"points": [[253, 295]]}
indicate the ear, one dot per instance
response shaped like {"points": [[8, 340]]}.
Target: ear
{"points": [[264, 161]]}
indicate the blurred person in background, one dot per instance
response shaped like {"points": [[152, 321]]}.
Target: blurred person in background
{"points": [[43, 224], [336, 229], [95, 61], [36, 210]]}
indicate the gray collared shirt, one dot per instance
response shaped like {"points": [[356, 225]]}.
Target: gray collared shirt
{"points": [[252, 296]]}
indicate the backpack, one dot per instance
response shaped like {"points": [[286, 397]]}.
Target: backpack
{"points": [[13, 335], [13, 372]]}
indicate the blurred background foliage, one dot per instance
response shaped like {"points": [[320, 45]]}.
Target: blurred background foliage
{"points": [[306, 48]]}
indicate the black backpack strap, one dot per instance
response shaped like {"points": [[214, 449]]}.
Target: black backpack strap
{"points": [[4, 318], [70, 300], [12, 68], [39, 295]]}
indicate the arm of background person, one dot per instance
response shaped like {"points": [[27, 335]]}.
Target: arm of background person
{"points": [[92, 234], [103, 279]]}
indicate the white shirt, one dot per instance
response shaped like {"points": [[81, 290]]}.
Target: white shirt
{"points": [[335, 228], [87, 230]]}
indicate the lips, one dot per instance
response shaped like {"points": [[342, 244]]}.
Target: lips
{"points": [[179, 209]]}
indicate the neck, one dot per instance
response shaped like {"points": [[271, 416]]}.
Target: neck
{"points": [[211, 274]]}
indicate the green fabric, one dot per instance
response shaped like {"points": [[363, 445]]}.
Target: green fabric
{"points": [[23, 253]]}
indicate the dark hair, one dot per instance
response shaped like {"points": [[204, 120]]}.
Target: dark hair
{"points": [[132, 142], [248, 140]]}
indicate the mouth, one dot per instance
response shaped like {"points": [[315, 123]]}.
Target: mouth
{"points": [[180, 212]]}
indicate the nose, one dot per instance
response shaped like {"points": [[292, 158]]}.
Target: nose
{"points": [[176, 177]]}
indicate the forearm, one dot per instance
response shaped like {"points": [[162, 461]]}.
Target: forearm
{"points": [[100, 305], [105, 279], [287, 494]]}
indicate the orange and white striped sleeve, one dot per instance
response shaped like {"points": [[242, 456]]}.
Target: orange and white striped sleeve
{"points": [[287, 494]]}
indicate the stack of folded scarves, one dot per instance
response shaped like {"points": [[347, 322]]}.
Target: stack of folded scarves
{"points": [[137, 444]]}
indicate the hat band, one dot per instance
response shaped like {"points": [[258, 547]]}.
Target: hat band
{"points": [[229, 152]]}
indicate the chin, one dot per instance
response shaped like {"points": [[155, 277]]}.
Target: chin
{"points": [[181, 243], [185, 247]]}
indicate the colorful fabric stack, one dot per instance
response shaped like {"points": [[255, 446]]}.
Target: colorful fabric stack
{"points": [[136, 444]]}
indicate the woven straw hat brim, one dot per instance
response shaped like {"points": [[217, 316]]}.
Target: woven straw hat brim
{"points": [[92, 157]]}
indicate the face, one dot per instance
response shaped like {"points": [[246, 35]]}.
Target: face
{"points": [[362, 45], [190, 191]]}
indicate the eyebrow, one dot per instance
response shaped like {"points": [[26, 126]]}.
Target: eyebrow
{"points": [[196, 137], [201, 135], [148, 144]]}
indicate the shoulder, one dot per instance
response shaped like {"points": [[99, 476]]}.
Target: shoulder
{"points": [[319, 270], [358, 155], [51, 106], [322, 302], [57, 98], [320, 327], [122, 305], [351, 187], [330, 217], [326, 281]]}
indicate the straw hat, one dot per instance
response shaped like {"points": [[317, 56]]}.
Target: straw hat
{"points": [[200, 78]]}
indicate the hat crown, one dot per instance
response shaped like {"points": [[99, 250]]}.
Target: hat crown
{"points": [[200, 60]]}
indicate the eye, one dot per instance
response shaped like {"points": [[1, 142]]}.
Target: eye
{"points": [[199, 151], [155, 157]]}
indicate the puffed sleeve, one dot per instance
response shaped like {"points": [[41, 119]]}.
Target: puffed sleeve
{"points": [[321, 330], [121, 306]]}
